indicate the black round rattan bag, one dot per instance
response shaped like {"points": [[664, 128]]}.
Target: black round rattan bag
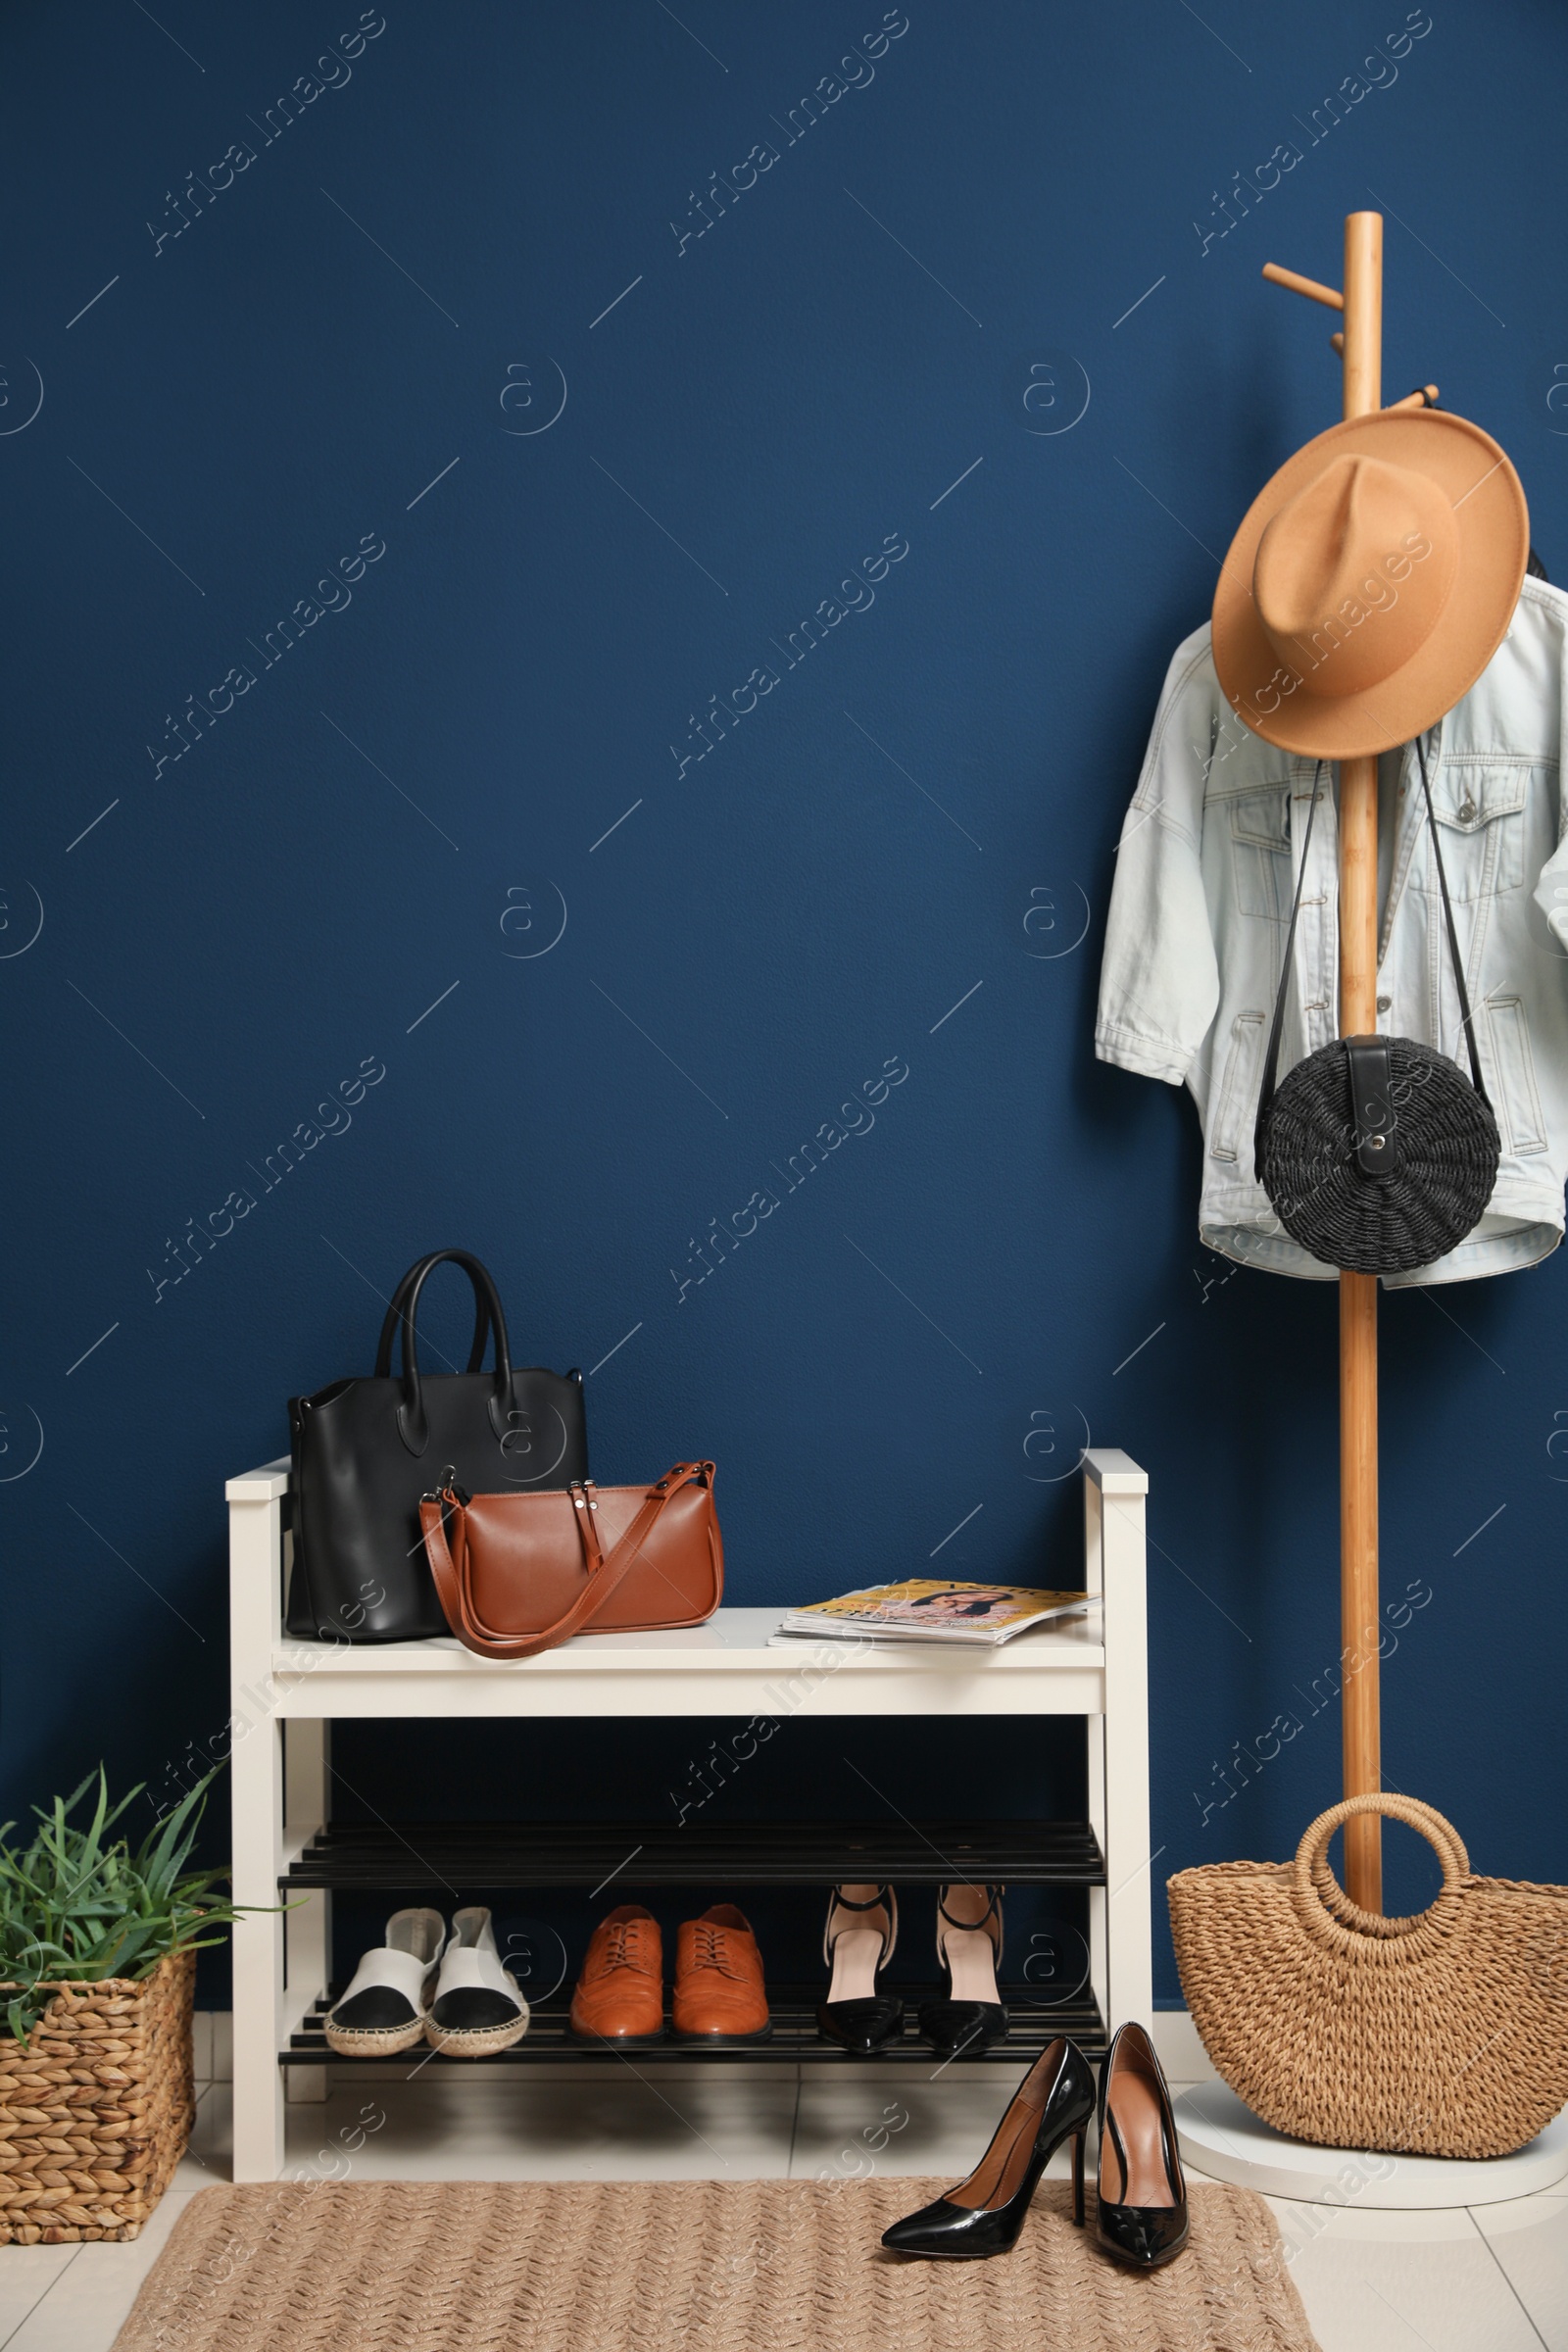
{"points": [[1377, 1154], [1444, 1147]]}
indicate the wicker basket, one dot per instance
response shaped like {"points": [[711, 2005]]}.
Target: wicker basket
{"points": [[1441, 2035], [96, 2109]]}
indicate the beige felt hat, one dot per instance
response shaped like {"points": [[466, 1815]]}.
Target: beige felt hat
{"points": [[1371, 582]]}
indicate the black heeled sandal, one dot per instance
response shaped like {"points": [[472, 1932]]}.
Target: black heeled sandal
{"points": [[971, 2017], [855, 2015], [985, 2214], [1144, 2224]]}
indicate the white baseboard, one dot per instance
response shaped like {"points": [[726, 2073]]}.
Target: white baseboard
{"points": [[1175, 2038], [212, 2039], [1178, 2048]]}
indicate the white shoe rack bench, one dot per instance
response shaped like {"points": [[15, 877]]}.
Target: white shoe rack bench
{"points": [[287, 1846]]}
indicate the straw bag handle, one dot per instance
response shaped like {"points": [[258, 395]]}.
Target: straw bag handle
{"points": [[1319, 1894]]}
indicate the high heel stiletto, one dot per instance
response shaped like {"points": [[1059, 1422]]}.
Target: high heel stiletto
{"points": [[968, 1947], [1142, 2215], [854, 2014], [985, 2214]]}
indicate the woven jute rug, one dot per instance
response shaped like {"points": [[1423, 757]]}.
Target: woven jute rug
{"points": [[762, 2266]]}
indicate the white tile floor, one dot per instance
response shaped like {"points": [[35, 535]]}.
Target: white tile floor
{"points": [[1492, 2280]]}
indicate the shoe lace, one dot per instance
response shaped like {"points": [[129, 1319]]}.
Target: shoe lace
{"points": [[623, 1947], [713, 1949]]}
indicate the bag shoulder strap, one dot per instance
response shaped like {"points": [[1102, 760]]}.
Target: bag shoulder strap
{"points": [[443, 1568], [1270, 1080], [605, 1571], [1271, 1055]]}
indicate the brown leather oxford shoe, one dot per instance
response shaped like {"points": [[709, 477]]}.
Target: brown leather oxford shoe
{"points": [[620, 1992], [719, 1993]]}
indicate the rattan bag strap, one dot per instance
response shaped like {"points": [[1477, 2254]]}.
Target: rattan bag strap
{"points": [[1266, 1094], [1323, 1904], [1271, 1053]]}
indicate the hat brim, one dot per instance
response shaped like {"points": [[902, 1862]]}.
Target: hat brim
{"points": [[1493, 523]]}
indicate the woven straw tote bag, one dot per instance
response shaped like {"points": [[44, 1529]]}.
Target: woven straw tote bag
{"points": [[1442, 2034]]}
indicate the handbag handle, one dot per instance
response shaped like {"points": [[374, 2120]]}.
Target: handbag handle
{"points": [[1271, 1056], [1318, 1891], [394, 1316], [606, 1570], [413, 1427]]}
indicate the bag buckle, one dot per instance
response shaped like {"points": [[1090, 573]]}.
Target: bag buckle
{"points": [[449, 1486], [1372, 1113]]}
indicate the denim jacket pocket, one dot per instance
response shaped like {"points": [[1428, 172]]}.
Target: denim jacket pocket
{"points": [[1515, 1078], [1260, 852], [1480, 813], [1236, 1111]]}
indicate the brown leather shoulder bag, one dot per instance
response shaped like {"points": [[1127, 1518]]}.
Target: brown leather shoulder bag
{"points": [[520, 1573]]}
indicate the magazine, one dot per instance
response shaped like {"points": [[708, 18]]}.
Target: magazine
{"points": [[925, 1608]]}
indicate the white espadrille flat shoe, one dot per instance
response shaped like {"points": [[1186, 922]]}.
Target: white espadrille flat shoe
{"points": [[383, 2010], [477, 2007]]}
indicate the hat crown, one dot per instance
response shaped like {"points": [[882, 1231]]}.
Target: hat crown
{"points": [[1352, 574], [1418, 545]]}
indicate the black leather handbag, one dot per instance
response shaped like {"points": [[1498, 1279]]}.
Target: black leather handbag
{"points": [[1377, 1154], [364, 1451]]}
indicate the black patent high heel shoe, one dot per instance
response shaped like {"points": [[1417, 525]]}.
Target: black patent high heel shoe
{"points": [[857, 1949], [985, 2214], [1141, 2216], [968, 1947]]}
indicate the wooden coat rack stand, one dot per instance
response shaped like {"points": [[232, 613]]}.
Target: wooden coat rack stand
{"points": [[1218, 2135], [1360, 349]]}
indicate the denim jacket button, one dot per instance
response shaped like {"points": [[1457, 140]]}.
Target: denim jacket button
{"points": [[1385, 1003]]}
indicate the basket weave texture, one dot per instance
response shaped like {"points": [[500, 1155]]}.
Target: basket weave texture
{"points": [[685, 2265], [1448, 1150], [1445, 2033], [95, 2110]]}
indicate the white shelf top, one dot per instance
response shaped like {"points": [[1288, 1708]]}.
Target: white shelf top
{"points": [[730, 1640], [265, 1484], [1106, 1466]]}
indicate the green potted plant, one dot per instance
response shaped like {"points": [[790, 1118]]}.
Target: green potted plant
{"points": [[98, 1944]]}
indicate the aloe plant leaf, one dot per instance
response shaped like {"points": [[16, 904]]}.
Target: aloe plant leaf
{"points": [[79, 1901]]}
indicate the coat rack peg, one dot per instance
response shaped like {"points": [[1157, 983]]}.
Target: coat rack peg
{"points": [[1309, 286]]}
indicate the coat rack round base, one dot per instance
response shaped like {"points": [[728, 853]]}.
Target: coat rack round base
{"points": [[1221, 2137]]}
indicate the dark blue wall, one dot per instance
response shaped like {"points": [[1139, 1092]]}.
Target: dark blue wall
{"points": [[358, 346]]}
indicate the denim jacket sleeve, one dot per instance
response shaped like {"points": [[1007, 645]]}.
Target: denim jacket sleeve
{"points": [[1159, 978]]}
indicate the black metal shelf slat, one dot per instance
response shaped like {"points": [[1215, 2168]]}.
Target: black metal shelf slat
{"points": [[795, 2037], [555, 1853]]}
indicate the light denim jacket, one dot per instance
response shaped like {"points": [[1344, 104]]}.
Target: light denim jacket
{"points": [[1206, 870]]}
